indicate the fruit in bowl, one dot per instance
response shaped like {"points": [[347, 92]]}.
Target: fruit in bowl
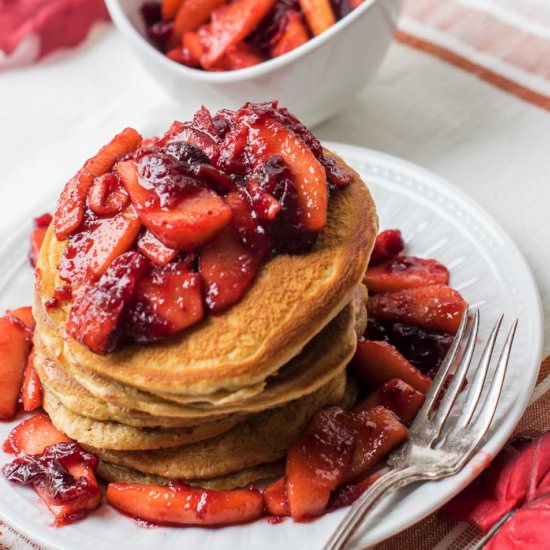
{"points": [[314, 80], [218, 35]]}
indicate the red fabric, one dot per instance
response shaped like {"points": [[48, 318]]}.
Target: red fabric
{"points": [[518, 479], [58, 23]]}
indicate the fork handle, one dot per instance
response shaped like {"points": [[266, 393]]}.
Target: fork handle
{"points": [[392, 479]]}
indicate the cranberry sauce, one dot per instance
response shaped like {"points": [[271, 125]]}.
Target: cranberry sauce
{"points": [[424, 348], [49, 470], [216, 197]]}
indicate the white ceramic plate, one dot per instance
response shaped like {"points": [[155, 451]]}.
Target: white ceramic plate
{"points": [[437, 221]]}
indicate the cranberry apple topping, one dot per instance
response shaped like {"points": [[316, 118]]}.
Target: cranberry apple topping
{"points": [[56, 467], [225, 35], [49, 470], [163, 232]]}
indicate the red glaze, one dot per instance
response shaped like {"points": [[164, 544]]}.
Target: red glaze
{"points": [[436, 307], [31, 391], [15, 346], [388, 244], [397, 396], [403, 272], [376, 363], [179, 504]]}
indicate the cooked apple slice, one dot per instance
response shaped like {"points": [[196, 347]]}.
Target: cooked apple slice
{"points": [[276, 500], [397, 396], [270, 137], [241, 56], [375, 363], [318, 462], [168, 300], [179, 504], [228, 268], [192, 43], [58, 469], [436, 307], [169, 8], [15, 346], [192, 14], [91, 252], [24, 314], [96, 312], [403, 272], [378, 432], [230, 25], [319, 15], [388, 244], [155, 250], [70, 208], [31, 391], [107, 195], [295, 34], [195, 221], [187, 224], [33, 435]]}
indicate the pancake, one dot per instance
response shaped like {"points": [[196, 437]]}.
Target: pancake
{"points": [[328, 353], [114, 435], [292, 299], [243, 478], [77, 399], [260, 439]]}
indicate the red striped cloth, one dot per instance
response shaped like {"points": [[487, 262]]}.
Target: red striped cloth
{"points": [[505, 42]]}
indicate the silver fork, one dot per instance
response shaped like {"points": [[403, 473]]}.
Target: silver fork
{"points": [[440, 444]]}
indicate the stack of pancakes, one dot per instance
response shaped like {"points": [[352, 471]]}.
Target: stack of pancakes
{"points": [[220, 404]]}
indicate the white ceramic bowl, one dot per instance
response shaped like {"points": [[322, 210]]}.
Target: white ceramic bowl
{"points": [[314, 81]]}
